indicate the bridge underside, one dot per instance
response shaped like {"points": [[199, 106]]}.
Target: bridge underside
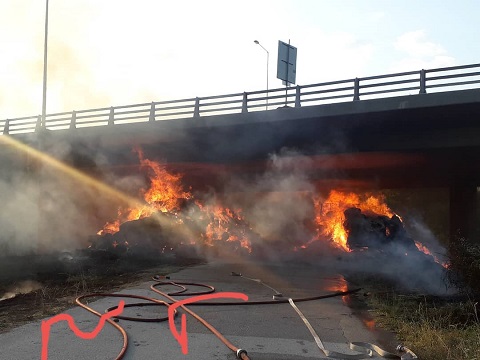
{"points": [[400, 142]]}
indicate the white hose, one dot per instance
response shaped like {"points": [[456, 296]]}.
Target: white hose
{"points": [[364, 349]]}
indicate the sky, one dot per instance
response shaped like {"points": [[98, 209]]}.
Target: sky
{"points": [[104, 53]]}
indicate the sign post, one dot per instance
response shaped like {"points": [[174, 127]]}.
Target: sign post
{"points": [[286, 65]]}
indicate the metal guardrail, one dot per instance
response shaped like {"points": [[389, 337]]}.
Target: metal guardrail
{"points": [[397, 84]]}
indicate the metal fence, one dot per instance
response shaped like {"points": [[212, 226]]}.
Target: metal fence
{"points": [[406, 83]]}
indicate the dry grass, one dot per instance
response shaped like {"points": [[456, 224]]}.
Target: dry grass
{"points": [[434, 329], [58, 293]]}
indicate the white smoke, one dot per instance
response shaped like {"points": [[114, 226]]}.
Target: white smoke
{"points": [[45, 209], [23, 287]]}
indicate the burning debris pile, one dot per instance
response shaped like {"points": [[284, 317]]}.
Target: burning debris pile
{"points": [[172, 221], [277, 215], [375, 231], [187, 231]]}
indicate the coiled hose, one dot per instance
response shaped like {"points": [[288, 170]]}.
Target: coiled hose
{"points": [[240, 353]]}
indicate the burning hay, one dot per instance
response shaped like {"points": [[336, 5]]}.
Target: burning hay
{"points": [[194, 228], [281, 216], [173, 221], [375, 231]]}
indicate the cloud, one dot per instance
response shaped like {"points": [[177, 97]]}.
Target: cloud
{"points": [[377, 15], [420, 53], [328, 54], [416, 44]]}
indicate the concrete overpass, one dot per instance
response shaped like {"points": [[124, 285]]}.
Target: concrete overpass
{"points": [[417, 138]]}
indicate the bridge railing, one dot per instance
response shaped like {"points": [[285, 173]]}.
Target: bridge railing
{"points": [[406, 83]]}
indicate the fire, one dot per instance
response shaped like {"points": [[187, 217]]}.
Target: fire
{"points": [[210, 223], [164, 194], [338, 285], [166, 189], [369, 323], [425, 250], [329, 213], [223, 225]]}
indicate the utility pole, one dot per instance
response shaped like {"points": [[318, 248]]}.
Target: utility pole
{"points": [[44, 95]]}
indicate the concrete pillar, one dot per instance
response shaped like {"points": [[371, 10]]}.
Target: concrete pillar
{"points": [[73, 122], [245, 103], [6, 127], [464, 211], [356, 89], [423, 82], [196, 109], [111, 116], [152, 112]]}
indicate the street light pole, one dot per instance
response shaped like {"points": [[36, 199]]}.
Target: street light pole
{"points": [[268, 56], [44, 96], [39, 168]]}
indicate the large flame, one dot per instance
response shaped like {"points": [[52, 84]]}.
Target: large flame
{"points": [[225, 224], [329, 213], [164, 194]]}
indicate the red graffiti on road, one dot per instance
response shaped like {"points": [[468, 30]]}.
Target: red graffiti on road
{"points": [[181, 337], [47, 324]]}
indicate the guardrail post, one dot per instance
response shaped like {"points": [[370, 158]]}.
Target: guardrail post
{"points": [[111, 116], [423, 82], [73, 123], [196, 109], [297, 96], [38, 126], [245, 103], [6, 127], [356, 89], [152, 112]]}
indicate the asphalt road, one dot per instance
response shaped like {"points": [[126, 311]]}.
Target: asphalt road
{"points": [[266, 332]]}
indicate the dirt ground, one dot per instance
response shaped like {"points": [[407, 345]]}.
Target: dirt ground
{"points": [[59, 290]]}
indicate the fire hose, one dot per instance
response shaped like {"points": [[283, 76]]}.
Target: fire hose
{"points": [[366, 349]]}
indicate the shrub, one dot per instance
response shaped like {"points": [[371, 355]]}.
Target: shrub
{"points": [[465, 265]]}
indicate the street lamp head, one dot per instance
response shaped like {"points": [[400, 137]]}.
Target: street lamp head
{"points": [[256, 42]]}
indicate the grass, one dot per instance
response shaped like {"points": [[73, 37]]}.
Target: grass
{"points": [[435, 329], [58, 293]]}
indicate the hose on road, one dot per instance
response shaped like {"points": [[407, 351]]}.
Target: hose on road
{"points": [[364, 349], [240, 353]]}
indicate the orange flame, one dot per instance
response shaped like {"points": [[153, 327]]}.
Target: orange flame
{"points": [[425, 250], [165, 190], [224, 226], [164, 194], [329, 214], [338, 285]]}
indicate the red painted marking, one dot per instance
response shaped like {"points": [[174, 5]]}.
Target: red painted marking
{"points": [[182, 336], [47, 324]]}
